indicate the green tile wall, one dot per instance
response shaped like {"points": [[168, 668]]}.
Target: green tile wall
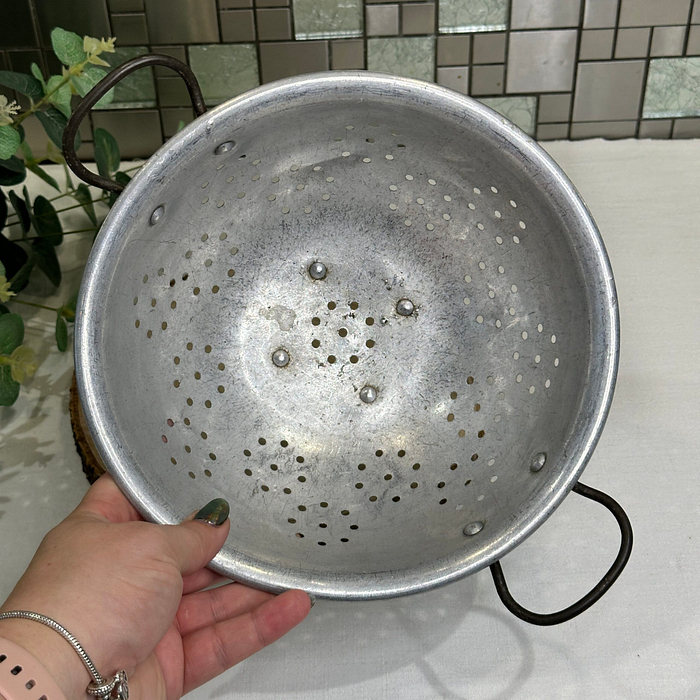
{"points": [[556, 68]]}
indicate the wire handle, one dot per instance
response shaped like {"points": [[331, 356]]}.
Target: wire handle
{"points": [[596, 592], [101, 89]]}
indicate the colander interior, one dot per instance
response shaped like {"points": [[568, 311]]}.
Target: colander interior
{"points": [[402, 191]]}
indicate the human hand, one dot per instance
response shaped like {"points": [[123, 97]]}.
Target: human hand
{"points": [[131, 593]]}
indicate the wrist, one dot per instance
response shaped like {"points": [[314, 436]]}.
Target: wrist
{"points": [[54, 653]]}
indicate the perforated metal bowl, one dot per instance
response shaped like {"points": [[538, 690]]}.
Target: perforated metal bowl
{"points": [[442, 309]]}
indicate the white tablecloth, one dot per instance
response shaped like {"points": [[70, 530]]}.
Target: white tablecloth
{"points": [[642, 640]]}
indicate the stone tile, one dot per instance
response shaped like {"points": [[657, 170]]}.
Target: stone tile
{"points": [[596, 44], [382, 20], [544, 14], [172, 92], [418, 18], [552, 132], [235, 4], [520, 110], [600, 14], [274, 24], [284, 59], [667, 41], [554, 108], [181, 21], [86, 17], [490, 47], [130, 29], [17, 27], [648, 13], [605, 130], [412, 57], [224, 70], [541, 61], [237, 26], [453, 50], [632, 43], [125, 5], [455, 78], [655, 128], [487, 80], [269, 3], [673, 88], [348, 54], [327, 19], [136, 90], [608, 91], [458, 16], [686, 129]]}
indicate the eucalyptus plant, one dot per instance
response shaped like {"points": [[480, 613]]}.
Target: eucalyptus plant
{"points": [[31, 232]]}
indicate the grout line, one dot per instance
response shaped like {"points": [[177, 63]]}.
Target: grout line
{"points": [[574, 77], [688, 25]]}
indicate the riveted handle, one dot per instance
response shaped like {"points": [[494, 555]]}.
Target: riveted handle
{"points": [[101, 89], [596, 592]]}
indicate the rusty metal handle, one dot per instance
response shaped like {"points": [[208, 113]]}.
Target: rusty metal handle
{"points": [[101, 89], [597, 591]]}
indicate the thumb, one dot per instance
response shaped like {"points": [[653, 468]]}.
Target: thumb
{"points": [[196, 540]]}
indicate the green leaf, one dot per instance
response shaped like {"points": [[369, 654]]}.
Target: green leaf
{"points": [[13, 257], [11, 332], [68, 47], [88, 79], [123, 179], [9, 141], [21, 278], [3, 310], [26, 84], [36, 72], [38, 170], [61, 333], [106, 153], [54, 122], [46, 221], [70, 305], [82, 194], [3, 210], [46, 260], [9, 388], [60, 98], [12, 171], [21, 210]]}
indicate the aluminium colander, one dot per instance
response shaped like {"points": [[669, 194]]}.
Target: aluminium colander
{"points": [[368, 311]]}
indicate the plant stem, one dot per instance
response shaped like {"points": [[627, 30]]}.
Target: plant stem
{"points": [[75, 70], [38, 306], [65, 233], [136, 167], [58, 211]]}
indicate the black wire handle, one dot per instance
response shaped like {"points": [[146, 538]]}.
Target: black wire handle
{"points": [[101, 89], [596, 592]]}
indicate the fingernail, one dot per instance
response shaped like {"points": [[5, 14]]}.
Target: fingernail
{"points": [[214, 513], [312, 597]]}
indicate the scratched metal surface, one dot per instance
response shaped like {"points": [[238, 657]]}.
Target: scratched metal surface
{"points": [[403, 190]]}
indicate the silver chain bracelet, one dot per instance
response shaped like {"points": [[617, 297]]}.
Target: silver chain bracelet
{"points": [[116, 688]]}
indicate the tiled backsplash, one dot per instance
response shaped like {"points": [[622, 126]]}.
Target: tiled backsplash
{"points": [[558, 68]]}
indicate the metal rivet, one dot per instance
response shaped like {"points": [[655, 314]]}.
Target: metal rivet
{"points": [[473, 528], [538, 462], [368, 394], [224, 147], [317, 270], [405, 307], [157, 215], [280, 357]]}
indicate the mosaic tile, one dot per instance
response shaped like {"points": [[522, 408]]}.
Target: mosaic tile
{"points": [[456, 16], [327, 19], [137, 89], [224, 70], [522, 111], [411, 57], [673, 88]]}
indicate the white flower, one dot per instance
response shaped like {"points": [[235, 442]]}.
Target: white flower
{"points": [[7, 110]]}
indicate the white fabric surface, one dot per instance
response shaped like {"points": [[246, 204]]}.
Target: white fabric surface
{"points": [[642, 640]]}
